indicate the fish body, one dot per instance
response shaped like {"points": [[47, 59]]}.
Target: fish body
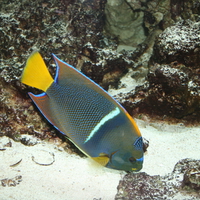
{"points": [[86, 114]]}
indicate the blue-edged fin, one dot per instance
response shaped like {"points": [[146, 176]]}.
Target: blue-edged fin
{"points": [[66, 72], [43, 103], [36, 74]]}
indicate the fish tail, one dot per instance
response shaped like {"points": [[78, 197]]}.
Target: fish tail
{"points": [[35, 73]]}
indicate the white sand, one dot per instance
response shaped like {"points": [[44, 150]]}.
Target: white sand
{"points": [[167, 145], [72, 178], [68, 178]]}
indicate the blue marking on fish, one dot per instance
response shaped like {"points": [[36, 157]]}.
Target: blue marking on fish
{"points": [[80, 109]]}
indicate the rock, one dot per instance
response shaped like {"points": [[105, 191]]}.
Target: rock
{"points": [[172, 84], [191, 174], [109, 65], [60, 27], [179, 43], [29, 140], [145, 144], [124, 23], [11, 182], [192, 178], [168, 91], [185, 10], [81, 32], [17, 115], [143, 186]]}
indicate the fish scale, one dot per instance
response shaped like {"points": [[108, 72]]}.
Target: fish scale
{"points": [[80, 109], [72, 105]]}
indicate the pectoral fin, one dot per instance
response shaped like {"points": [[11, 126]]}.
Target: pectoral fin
{"points": [[103, 159]]}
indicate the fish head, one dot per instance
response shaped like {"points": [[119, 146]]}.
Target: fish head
{"points": [[128, 157]]}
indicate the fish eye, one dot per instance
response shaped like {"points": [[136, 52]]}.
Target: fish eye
{"points": [[132, 159]]}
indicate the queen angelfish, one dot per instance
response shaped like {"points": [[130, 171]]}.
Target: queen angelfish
{"points": [[80, 109]]}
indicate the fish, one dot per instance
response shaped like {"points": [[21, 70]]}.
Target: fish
{"points": [[85, 113]]}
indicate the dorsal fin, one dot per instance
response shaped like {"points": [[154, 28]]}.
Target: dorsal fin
{"points": [[66, 72]]}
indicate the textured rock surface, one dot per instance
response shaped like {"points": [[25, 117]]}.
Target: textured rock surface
{"points": [[172, 186], [185, 9], [54, 26], [73, 30], [124, 23], [172, 84], [90, 35], [60, 27], [179, 43], [18, 116], [109, 65]]}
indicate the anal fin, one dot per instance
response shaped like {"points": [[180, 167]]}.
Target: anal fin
{"points": [[42, 101]]}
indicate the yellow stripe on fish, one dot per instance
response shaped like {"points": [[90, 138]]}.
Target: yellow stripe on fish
{"points": [[84, 112]]}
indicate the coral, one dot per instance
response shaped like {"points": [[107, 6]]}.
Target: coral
{"points": [[172, 84], [81, 32], [185, 9], [17, 115], [109, 65], [179, 43], [61, 27], [143, 186]]}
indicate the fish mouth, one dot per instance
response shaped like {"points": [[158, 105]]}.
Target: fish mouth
{"points": [[139, 165]]}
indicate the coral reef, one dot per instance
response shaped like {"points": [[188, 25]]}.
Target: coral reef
{"points": [[91, 35], [172, 84], [109, 41], [110, 65], [179, 43], [61, 27], [182, 183]]}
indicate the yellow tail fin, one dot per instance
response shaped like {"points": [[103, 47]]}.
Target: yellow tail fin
{"points": [[35, 73]]}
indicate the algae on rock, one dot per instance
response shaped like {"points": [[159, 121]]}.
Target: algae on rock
{"points": [[124, 23]]}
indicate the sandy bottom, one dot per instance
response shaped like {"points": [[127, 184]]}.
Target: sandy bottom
{"points": [[45, 171]]}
